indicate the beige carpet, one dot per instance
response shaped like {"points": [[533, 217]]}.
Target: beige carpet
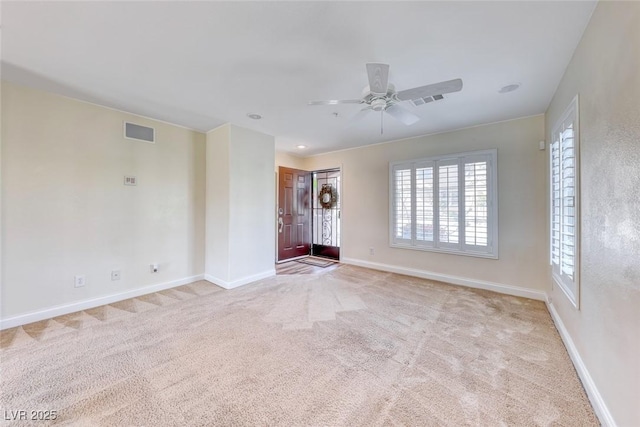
{"points": [[347, 347]]}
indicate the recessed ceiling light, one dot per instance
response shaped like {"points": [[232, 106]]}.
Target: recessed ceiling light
{"points": [[509, 88], [254, 116], [301, 147]]}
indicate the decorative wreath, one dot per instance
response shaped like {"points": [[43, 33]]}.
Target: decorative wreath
{"points": [[328, 197]]}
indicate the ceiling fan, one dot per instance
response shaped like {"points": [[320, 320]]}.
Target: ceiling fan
{"points": [[381, 96]]}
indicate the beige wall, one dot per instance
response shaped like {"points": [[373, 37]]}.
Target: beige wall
{"points": [[252, 215], [521, 182], [217, 203], [289, 161], [240, 214], [67, 212], [605, 72]]}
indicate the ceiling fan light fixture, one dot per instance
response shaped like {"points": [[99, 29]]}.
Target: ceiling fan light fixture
{"points": [[379, 104]]}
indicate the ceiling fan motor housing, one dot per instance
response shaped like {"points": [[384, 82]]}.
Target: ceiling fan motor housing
{"points": [[379, 102]]}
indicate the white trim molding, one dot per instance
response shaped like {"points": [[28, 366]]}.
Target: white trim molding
{"points": [[59, 310], [599, 406], [454, 280], [240, 282]]}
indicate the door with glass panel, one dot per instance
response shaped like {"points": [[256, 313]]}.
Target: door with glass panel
{"points": [[326, 213]]}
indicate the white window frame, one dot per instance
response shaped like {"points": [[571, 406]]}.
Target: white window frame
{"points": [[570, 287], [461, 248]]}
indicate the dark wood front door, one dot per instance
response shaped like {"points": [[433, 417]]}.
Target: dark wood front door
{"points": [[294, 213]]}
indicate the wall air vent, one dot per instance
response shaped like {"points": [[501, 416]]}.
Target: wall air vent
{"points": [[139, 133]]}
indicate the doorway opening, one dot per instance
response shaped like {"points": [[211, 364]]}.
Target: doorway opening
{"points": [[308, 215], [325, 217]]}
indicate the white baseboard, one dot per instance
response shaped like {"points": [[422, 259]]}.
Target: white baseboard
{"points": [[243, 281], [73, 307], [454, 280], [600, 408]]}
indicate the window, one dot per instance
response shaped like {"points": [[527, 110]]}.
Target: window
{"points": [[446, 204], [565, 203]]}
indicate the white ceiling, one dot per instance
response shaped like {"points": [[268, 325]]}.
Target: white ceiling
{"points": [[201, 64]]}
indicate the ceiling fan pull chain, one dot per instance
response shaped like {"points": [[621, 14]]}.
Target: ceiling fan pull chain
{"points": [[381, 121]]}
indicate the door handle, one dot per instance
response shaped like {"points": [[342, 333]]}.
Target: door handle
{"points": [[280, 225]]}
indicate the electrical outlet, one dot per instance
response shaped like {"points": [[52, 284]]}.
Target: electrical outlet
{"points": [[79, 281], [372, 251], [154, 268], [115, 275]]}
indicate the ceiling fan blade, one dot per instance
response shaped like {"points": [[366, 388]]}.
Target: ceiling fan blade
{"points": [[378, 78], [359, 115], [430, 90], [402, 114], [336, 102]]}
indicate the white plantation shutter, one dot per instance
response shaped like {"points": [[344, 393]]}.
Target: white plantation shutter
{"points": [[402, 206], [449, 218], [564, 203], [424, 204], [555, 203], [476, 202], [446, 204], [567, 227]]}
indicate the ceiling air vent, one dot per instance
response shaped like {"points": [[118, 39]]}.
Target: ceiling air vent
{"points": [[139, 133], [426, 99]]}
